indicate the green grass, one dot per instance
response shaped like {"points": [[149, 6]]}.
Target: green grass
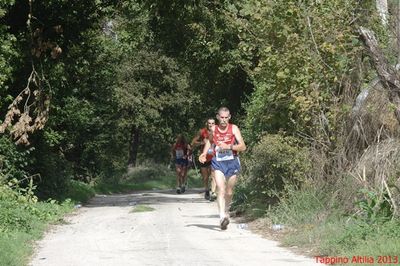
{"points": [[369, 239], [22, 222], [15, 248], [142, 208], [147, 178], [340, 237], [319, 225], [313, 224], [23, 219], [79, 192], [195, 179]]}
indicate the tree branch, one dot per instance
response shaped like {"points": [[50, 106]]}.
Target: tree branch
{"points": [[386, 73]]}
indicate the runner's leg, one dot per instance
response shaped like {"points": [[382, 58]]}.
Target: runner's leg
{"points": [[229, 193], [220, 181], [184, 177], [178, 174], [213, 184], [178, 170], [204, 174], [209, 176]]}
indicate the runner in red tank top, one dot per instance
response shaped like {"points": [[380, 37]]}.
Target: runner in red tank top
{"points": [[225, 163], [205, 168], [179, 152], [226, 137]]}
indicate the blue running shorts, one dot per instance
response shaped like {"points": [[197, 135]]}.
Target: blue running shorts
{"points": [[228, 168], [182, 162]]}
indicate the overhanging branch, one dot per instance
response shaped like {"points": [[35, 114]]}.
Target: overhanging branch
{"points": [[386, 73]]}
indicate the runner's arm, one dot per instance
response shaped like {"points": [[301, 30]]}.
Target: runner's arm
{"points": [[207, 145], [196, 141], [240, 146], [189, 150]]}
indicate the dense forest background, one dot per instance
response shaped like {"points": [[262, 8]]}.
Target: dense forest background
{"points": [[88, 88]]}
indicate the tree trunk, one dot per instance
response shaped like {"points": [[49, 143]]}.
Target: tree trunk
{"points": [[386, 73], [133, 147], [382, 7], [397, 33]]}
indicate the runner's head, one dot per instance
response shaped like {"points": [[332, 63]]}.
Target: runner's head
{"points": [[223, 116], [210, 123], [180, 139]]}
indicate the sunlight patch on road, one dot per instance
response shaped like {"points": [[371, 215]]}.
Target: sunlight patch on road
{"points": [[142, 208]]}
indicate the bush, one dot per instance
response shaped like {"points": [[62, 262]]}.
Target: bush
{"points": [[55, 171], [79, 191], [303, 206], [145, 172], [20, 210], [145, 176], [276, 164], [13, 161], [23, 220], [14, 217]]}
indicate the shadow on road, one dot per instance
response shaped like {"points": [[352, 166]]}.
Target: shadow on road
{"points": [[205, 226], [145, 197], [203, 216]]}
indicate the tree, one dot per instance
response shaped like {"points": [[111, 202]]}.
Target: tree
{"points": [[383, 11], [304, 52], [205, 40], [153, 99]]}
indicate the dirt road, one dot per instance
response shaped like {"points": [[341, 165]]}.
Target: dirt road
{"points": [[181, 230]]}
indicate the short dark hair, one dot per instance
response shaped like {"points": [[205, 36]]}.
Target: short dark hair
{"points": [[208, 119]]}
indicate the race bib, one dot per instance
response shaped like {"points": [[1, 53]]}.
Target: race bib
{"points": [[179, 154], [224, 155]]}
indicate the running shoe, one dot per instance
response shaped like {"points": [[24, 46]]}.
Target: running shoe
{"points": [[207, 195], [224, 223], [178, 190], [183, 189], [213, 196]]}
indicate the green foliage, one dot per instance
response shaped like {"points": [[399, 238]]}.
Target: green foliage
{"points": [[13, 161], [374, 208], [275, 165], [20, 210], [13, 248], [302, 207], [303, 53], [54, 171], [79, 191], [12, 218], [143, 177], [147, 176], [23, 220], [147, 171], [153, 96], [8, 52], [205, 40], [374, 240], [316, 221]]}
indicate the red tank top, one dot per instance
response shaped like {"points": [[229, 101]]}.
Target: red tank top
{"points": [[226, 137], [204, 133]]}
